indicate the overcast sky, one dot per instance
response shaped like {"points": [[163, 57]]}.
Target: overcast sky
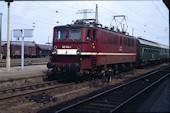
{"points": [[150, 19]]}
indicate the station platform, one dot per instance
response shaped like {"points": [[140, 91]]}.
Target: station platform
{"points": [[17, 73]]}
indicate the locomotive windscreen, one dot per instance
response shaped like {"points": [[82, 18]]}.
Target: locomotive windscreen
{"points": [[74, 34], [60, 34]]}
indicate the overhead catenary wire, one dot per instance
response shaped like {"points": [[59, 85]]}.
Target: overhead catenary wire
{"points": [[49, 12], [166, 11], [159, 11], [130, 20], [146, 20], [47, 21]]}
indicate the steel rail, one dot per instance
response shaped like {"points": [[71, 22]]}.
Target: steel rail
{"points": [[7, 89], [33, 90], [139, 93], [27, 61], [25, 64], [100, 94]]}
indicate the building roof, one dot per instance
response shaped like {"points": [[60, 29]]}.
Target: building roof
{"points": [[18, 42]]}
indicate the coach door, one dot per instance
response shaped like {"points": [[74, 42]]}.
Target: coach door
{"points": [[92, 42], [94, 49], [91, 37], [93, 45]]}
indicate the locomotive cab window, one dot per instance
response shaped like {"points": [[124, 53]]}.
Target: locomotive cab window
{"points": [[74, 34], [88, 34], [60, 34]]}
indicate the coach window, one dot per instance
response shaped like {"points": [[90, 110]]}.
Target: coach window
{"points": [[128, 42], [120, 40], [88, 34], [94, 36]]}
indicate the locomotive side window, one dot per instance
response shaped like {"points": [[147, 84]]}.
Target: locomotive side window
{"points": [[104, 39], [128, 42], [116, 40], [88, 34], [125, 41], [132, 42], [120, 40], [94, 36], [74, 34], [60, 34], [110, 39]]}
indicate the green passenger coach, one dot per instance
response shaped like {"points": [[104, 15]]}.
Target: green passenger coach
{"points": [[149, 51]]}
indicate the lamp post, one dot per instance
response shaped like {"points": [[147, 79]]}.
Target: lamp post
{"points": [[8, 40]]}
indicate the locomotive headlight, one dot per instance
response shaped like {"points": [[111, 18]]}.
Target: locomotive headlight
{"points": [[55, 50], [55, 47], [78, 50]]}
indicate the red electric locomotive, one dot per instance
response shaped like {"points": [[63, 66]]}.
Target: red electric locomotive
{"points": [[86, 47]]}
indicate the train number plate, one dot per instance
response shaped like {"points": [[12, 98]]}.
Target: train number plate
{"points": [[66, 47]]}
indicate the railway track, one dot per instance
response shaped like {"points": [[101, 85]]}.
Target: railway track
{"points": [[27, 61], [116, 97], [28, 89]]}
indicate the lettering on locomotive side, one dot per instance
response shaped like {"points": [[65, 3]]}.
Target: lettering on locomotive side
{"points": [[120, 48], [64, 47]]}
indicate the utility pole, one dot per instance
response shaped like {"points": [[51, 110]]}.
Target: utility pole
{"points": [[96, 15], [8, 40], [0, 35]]}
